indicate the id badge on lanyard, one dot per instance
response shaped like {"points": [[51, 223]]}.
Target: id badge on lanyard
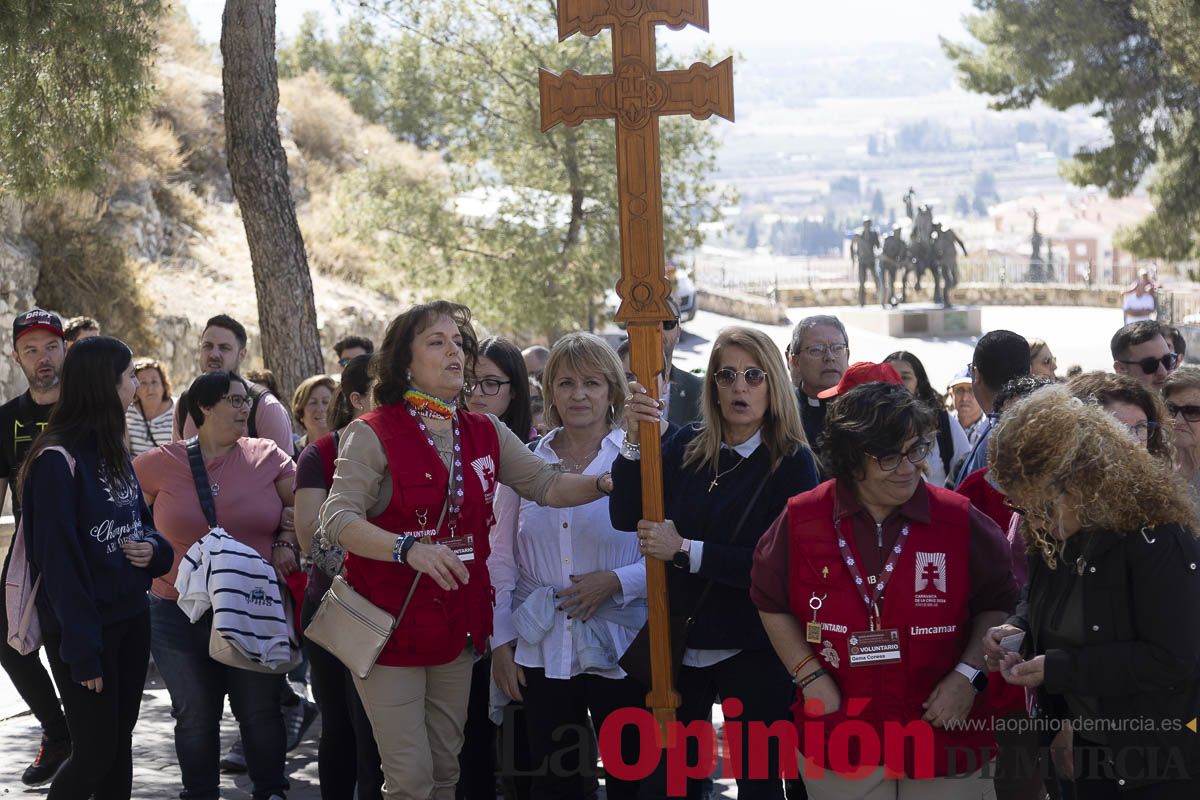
{"points": [[462, 545], [876, 645]]}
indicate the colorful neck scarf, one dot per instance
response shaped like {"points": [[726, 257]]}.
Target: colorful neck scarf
{"points": [[429, 406]]}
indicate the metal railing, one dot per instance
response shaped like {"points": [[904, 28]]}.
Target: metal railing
{"points": [[765, 275]]}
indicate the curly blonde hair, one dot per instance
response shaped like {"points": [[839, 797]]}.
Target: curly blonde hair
{"points": [[1052, 450]]}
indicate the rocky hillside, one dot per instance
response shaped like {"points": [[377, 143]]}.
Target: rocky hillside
{"points": [[160, 246]]}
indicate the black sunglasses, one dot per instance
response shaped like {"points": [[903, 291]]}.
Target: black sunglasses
{"points": [[1190, 413], [726, 377], [343, 362], [670, 324], [1149, 364]]}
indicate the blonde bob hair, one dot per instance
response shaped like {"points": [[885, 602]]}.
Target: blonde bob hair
{"points": [[782, 431], [585, 354], [1051, 450]]}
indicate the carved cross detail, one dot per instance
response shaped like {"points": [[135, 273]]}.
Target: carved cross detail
{"points": [[636, 94]]}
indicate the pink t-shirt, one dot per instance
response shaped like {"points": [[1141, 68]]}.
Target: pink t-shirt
{"points": [[248, 504]]}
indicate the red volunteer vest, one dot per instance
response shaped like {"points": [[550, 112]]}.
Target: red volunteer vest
{"points": [[437, 622], [926, 600]]}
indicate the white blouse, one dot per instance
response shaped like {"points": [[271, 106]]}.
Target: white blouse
{"points": [[544, 547]]}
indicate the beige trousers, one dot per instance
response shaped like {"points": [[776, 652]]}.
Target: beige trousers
{"points": [[417, 715], [876, 787]]}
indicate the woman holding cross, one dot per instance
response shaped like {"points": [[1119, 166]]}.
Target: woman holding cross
{"points": [[724, 480]]}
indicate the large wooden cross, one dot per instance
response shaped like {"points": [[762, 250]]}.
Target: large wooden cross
{"points": [[636, 94]]}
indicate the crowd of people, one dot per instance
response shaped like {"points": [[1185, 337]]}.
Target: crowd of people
{"points": [[446, 545]]}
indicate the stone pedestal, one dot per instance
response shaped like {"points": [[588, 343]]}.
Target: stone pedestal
{"points": [[916, 320]]}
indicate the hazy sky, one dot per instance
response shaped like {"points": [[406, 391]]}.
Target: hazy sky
{"points": [[738, 24]]}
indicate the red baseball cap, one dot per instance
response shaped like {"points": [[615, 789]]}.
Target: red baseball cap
{"points": [[860, 373]]}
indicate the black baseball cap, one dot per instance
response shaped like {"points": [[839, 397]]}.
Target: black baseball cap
{"points": [[36, 319]]}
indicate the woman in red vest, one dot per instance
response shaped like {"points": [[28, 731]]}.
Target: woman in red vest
{"points": [[875, 588], [1108, 628], [411, 504]]}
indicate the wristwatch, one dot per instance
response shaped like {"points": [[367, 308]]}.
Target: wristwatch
{"points": [[977, 677], [682, 558]]}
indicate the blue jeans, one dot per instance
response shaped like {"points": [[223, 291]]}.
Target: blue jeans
{"points": [[197, 685]]}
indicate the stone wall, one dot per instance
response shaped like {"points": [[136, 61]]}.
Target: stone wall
{"points": [[967, 294], [742, 306]]}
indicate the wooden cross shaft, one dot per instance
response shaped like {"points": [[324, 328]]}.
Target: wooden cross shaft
{"points": [[635, 95]]}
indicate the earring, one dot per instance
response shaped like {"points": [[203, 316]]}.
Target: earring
{"points": [[408, 375]]}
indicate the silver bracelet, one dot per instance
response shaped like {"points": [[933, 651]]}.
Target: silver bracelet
{"points": [[630, 451]]}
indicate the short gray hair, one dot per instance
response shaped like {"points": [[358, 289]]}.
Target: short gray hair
{"points": [[811, 322]]}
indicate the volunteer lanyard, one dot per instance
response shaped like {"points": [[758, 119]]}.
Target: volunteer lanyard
{"points": [[873, 599], [455, 489]]}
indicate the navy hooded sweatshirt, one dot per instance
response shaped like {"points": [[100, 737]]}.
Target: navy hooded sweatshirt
{"points": [[74, 527]]}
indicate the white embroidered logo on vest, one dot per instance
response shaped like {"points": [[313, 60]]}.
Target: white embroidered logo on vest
{"points": [[930, 579], [485, 469], [931, 572]]}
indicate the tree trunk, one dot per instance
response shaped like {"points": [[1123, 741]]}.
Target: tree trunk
{"points": [[287, 313]]}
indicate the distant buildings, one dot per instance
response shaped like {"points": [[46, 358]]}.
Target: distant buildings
{"points": [[1077, 231]]}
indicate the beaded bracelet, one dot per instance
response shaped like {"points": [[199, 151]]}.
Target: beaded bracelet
{"points": [[401, 547], [810, 678], [796, 669], [294, 548]]}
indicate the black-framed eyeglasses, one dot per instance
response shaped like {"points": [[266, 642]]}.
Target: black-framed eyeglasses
{"points": [[836, 350], [343, 362], [1190, 413], [489, 386], [915, 454], [1142, 431], [1149, 365], [237, 400], [727, 376]]}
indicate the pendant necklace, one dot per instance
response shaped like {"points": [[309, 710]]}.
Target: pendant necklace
{"points": [[720, 475], [571, 465]]}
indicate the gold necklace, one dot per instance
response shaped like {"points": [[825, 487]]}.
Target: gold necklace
{"points": [[720, 475]]}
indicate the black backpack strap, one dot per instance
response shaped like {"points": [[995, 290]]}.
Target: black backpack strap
{"points": [[256, 394], [945, 440], [200, 476]]}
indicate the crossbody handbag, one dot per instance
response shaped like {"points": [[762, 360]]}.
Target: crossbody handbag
{"points": [[636, 659], [221, 649], [351, 627]]}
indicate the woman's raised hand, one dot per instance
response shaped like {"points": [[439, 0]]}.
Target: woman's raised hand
{"points": [[640, 407]]}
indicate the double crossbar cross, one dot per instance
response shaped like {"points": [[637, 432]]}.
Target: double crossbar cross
{"points": [[635, 95]]}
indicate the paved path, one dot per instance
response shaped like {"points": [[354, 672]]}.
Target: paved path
{"points": [[1075, 335]]}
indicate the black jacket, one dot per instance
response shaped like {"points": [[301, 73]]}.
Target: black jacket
{"points": [[728, 619], [1141, 654]]}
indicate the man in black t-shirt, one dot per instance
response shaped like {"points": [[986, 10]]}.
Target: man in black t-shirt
{"points": [[38, 349]]}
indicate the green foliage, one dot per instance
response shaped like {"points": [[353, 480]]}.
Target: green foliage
{"points": [[85, 271], [72, 78], [1137, 62], [525, 229]]}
